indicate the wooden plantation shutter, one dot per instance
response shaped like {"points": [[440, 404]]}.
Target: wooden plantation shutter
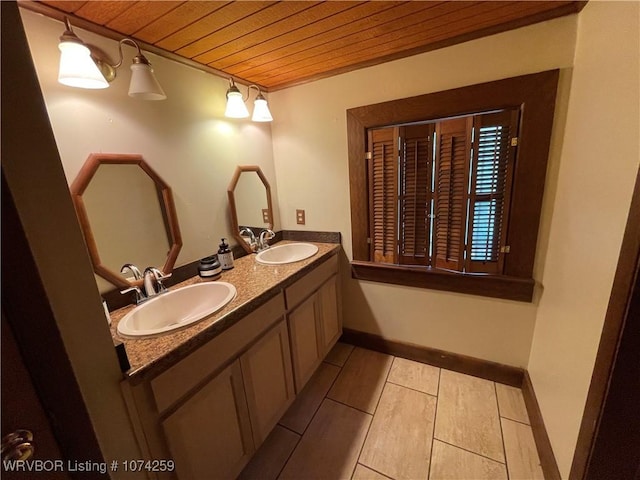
{"points": [[383, 194], [490, 193], [414, 202], [445, 207], [453, 149]]}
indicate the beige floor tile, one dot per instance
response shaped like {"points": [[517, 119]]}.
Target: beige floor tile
{"points": [[364, 473], [339, 354], [268, 461], [399, 440], [362, 378], [467, 415], [522, 456], [307, 402], [416, 375], [467, 420], [452, 463], [511, 403], [330, 447]]}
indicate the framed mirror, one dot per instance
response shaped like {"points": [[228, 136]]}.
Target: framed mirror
{"points": [[127, 215], [250, 202]]}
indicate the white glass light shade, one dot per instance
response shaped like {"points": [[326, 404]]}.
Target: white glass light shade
{"points": [[261, 111], [77, 68], [144, 84], [235, 106]]}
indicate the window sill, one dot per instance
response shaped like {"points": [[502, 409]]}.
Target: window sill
{"points": [[496, 286]]}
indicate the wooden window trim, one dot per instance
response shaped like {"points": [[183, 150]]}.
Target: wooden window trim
{"points": [[535, 94], [496, 286]]}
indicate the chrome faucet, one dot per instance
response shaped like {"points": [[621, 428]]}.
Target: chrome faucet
{"points": [[140, 297], [265, 236], [133, 269], [247, 232], [152, 281]]}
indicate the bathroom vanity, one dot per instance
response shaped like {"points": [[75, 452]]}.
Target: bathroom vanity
{"points": [[208, 395]]}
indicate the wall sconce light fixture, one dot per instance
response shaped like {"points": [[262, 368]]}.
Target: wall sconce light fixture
{"points": [[85, 66], [236, 107]]}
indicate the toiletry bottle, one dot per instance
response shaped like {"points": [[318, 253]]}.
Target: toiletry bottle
{"points": [[225, 255]]}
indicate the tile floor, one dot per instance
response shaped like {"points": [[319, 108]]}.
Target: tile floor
{"points": [[365, 415]]}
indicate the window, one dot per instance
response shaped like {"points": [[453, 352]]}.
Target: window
{"points": [[440, 192], [446, 188]]}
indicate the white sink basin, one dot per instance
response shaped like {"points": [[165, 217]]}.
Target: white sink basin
{"points": [[289, 253], [176, 309]]}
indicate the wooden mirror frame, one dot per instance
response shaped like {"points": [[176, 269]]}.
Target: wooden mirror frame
{"points": [[235, 228], [80, 184]]}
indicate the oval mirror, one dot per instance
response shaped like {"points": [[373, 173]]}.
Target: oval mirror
{"points": [[127, 215], [250, 203]]}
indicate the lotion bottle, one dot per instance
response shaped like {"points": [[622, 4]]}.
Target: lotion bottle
{"points": [[225, 255]]}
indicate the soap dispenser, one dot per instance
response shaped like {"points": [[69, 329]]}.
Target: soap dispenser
{"points": [[225, 255]]}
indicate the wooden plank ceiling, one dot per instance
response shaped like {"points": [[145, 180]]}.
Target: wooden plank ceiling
{"points": [[280, 44]]}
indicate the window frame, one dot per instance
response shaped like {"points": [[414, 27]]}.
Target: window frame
{"points": [[535, 95]]}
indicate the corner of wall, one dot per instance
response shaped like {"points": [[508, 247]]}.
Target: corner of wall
{"points": [[586, 214]]}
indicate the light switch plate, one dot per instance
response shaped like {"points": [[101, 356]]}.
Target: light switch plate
{"points": [[265, 216], [300, 217]]}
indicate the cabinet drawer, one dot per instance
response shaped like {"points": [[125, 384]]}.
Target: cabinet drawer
{"points": [[300, 290], [178, 380]]}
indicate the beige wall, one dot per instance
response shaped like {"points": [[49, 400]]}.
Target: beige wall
{"points": [[185, 138], [600, 158], [310, 151]]}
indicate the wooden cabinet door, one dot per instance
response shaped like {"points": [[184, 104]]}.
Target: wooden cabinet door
{"points": [[268, 380], [330, 323], [306, 348], [210, 435]]}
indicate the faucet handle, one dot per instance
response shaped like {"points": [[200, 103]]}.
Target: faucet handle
{"points": [[159, 277], [157, 273], [139, 296], [161, 286]]}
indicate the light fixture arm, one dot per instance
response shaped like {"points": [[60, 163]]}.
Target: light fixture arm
{"points": [[233, 87], [249, 91], [69, 35], [139, 58], [108, 69]]}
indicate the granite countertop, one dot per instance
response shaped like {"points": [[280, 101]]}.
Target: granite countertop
{"points": [[255, 284]]}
